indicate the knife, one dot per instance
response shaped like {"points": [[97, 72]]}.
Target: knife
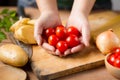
{"points": [[26, 47]]}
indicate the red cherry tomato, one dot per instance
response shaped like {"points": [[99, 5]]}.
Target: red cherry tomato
{"points": [[53, 40], [114, 59], [72, 40], [49, 31], [116, 51], [117, 62], [73, 30], [62, 46], [111, 59], [61, 32]]}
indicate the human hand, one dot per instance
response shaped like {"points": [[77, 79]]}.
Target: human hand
{"points": [[45, 20], [80, 21]]}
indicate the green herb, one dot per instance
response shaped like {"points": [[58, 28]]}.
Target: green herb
{"points": [[2, 36], [7, 18]]}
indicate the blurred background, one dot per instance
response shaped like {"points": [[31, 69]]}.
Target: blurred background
{"points": [[8, 2], [62, 4]]}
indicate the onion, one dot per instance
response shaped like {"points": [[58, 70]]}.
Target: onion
{"points": [[106, 41]]}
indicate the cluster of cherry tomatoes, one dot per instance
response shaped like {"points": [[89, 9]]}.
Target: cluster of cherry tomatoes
{"points": [[114, 58], [62, 38]]}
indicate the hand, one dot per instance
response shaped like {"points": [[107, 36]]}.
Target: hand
{"points": [[80, 21], [48, 20], [45, 20]]}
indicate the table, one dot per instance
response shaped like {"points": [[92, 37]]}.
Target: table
{"points": [[98, 73]]}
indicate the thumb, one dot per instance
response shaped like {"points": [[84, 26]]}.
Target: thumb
{"points": [[86, 36], [39, 40], [38, 33]]}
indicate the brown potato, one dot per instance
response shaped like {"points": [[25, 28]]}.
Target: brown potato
{"points": [[13, 55], [25, 34], [24, 30], [18, 24], [31, 22]]}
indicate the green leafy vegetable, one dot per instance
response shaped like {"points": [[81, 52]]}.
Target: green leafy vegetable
{"points": [[7, 18], [2, 36]]}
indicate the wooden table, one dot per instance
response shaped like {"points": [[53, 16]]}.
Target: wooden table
{"points": [[92, 74]]}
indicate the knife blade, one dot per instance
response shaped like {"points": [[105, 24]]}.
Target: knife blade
{"points": [[26, 47]]}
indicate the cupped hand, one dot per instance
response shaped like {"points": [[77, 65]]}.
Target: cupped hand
{"points": [[51, 20], [45, 20], [80, 21]]}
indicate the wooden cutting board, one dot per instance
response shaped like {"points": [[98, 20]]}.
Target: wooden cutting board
{"points": [[47, 66], [8, 72]]}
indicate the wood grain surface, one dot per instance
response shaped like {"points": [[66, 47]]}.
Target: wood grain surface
{"points": [[47, 66], [40, 60], [8, 72]]}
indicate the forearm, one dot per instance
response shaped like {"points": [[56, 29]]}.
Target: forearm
{"points": [[82, 6], [47, 6]]}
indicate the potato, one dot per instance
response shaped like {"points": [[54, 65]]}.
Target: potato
{"points": [[24, 30], [25, 34], [31, 22], [13, 55], [18, 24]]}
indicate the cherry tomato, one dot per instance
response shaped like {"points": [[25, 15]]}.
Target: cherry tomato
{"points": [[114, 58], [73, 30], [117, 62], [53, 40], [61, 32], [62, 46], [116, 51], [72, 40], [111, 59], [49, 31]]}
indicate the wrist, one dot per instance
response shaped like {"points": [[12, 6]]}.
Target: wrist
{"points": [[52, 13], [77, 15], [82, 7], [47, 6], [49, 10]]}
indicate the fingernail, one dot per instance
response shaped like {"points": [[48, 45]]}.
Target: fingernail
{"points": [[48, 47], [87, 44], [57, 52], [38, 43], [68, 51]]}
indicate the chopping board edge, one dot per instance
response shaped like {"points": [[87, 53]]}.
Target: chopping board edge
{"points": [[68, 71]]}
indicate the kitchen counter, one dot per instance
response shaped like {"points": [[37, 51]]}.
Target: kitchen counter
{"points": [[98, 73]]}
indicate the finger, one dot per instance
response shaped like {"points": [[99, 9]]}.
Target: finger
{"points": [[38, 27], [57, 52], [67, 52], [48, 47], [77, 48], [85, 35], [38, 32], [39, 39]]}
